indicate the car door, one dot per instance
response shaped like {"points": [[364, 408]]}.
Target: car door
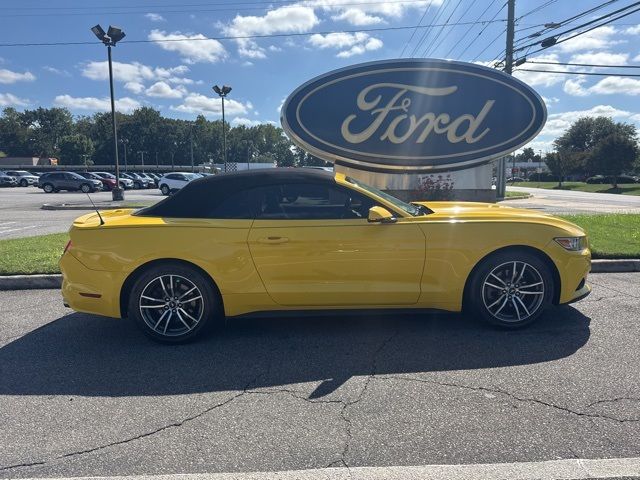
{"points": [[312, 245]]}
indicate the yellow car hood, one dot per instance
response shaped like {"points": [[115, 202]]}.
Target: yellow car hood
{"points": [[476, 211]]}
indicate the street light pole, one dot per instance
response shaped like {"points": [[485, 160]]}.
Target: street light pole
{"points": [[142, 155], [191, 144], [223, 92], [109, 39], [125, 142]]}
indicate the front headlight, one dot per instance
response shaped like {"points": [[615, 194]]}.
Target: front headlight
{"points": [[573, 244]]}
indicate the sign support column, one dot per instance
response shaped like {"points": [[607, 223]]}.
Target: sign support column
{"points": [[501, 184]]}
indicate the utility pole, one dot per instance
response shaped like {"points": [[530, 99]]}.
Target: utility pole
{"points": [[191, 144], [501, 184]]}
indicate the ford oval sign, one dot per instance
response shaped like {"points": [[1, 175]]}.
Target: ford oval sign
{"points": [[413, 115]]}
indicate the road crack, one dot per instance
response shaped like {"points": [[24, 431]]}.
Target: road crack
{"points": [[512, 396]]}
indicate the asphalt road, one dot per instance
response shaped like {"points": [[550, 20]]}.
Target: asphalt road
{"points": [[21, 214], [82, 395], [567, 201]]}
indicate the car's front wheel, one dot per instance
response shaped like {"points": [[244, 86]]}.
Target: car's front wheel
{"points": [[173, 303], [24, 183], [85, 187], [510, 289]]}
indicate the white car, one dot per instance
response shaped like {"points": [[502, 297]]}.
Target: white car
{"points": [[172, 182]]}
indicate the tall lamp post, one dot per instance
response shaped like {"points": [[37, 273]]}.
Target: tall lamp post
{"points": [[141, 152], [109, 39], [223, 92], [125, 142]]}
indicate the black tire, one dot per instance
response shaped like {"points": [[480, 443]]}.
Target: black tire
{"points": [[86, 188], [521, 299], [183, 277], [48, 188], [24, 183], [137, 185], [165, 189]]}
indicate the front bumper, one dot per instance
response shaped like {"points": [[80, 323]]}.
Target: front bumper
{"points": [[90, 291]]}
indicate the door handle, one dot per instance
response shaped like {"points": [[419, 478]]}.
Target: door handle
{"points": [[273, 240]]}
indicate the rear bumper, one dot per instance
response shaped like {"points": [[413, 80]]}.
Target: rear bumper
{"points": [[90, 291]]}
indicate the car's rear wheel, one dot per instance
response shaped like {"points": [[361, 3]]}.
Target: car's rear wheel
{"points": [[137, 185], [511, 289], [173, 303], [165, 189], [48, 188]]}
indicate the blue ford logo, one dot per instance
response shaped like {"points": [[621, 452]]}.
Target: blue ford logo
{"points": [[413, 115]]}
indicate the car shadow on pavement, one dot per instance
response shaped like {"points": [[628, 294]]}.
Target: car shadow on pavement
{"points": [[88, 355]]}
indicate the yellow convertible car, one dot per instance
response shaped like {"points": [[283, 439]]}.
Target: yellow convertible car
{"points": [[269, 241]]}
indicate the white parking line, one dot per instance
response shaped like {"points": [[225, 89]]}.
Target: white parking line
{"points": [[572, 469]]}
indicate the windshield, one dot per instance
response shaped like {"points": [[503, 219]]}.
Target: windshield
{"points": [[413, 210]]}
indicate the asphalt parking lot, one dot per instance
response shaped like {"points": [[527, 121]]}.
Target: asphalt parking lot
{"points": [[21, 214], [82, 395]]}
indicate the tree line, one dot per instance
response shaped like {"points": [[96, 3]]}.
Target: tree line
{"points": [[595, 146], [55, 132]]}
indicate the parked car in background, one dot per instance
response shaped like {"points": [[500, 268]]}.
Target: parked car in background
{"points": [[24, 178], [172, 182], [70, 181], [107, 183], [138, 181], [125, 183], [152, 181], [515, 179], [8, 180], [542, 177], [597, 179]]}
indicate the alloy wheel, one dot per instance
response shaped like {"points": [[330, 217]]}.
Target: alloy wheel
{"points": [[513, 291], [171, 305]]}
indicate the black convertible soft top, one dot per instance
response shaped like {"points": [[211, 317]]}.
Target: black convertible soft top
{"points": [[206, 193]]}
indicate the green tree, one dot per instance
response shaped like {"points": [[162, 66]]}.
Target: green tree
{"points": [[14, 134], [614, 155], [584, 135], [47, 126], [76, 150], [562, 163]]}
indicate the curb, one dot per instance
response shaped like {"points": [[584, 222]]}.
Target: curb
{"points": [[76, 206], [32, 282]]}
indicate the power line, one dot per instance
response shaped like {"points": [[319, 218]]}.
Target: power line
{"points": [[415, 29], [568, 64], [430, 47], [537, 9], [490, 43], [481, 32], [467, 9], [259, 6], [427, 32], [469, 30], [566, 72], [582, 32], [591, 22], [240, 37]]}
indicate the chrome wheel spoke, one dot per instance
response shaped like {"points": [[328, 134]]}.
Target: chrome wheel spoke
{"points": [[168, 292], [513, 291]]}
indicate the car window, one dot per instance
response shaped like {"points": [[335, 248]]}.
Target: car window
{"points": [[240, 205], [171, 176], [311, 202]]}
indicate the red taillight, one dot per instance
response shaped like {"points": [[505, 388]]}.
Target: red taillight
{"points": [[67, 247]]}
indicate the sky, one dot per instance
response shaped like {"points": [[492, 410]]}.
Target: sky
{"points": [[308, 38]]}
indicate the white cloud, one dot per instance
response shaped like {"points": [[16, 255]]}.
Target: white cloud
{"points": [[164, 90], [247, 122], [288, 19], [357, 17], [550, 100], [130, 72], [365, 12], [600, 58], [125, 104], [155, 17], [135, 87], [9, 100], [598, 39], [606, 86], [8, 76], [557, 123], [196, 103], [57, 71], [193, 48], [349, 43], [542, 79], [635, 30]]}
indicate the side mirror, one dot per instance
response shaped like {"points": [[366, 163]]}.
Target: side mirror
{"points": [[381, 215]]}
